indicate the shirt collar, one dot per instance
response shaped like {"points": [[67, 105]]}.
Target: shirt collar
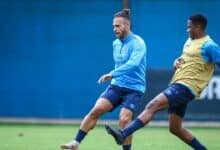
{"points": [[127, 38], [206, 36]]}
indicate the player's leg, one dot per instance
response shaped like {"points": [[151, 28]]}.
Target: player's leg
{"points": [[160, 102], [174, 95], [176, 128], [105, 103], [102, 106], [125, 118], [179, 96], [130, 103]]}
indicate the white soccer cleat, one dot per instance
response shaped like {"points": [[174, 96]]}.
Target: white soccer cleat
{"points": [[72, 145]]}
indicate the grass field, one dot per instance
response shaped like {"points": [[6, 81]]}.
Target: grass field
{"points": [[49, 137]]}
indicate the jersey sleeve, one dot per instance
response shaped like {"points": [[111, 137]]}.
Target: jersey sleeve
{"points": [[211, 52]]}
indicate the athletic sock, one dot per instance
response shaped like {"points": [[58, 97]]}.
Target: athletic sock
{"points": [[80, 135], [197, 145], [127, 147], [135, 125]]}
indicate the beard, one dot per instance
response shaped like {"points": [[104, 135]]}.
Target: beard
{"points": [[122, 35]]}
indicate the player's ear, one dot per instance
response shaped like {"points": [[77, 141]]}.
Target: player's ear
{"points": [[127, 23]]}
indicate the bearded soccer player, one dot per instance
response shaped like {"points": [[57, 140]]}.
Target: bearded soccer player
{"points": [[193, 71], [127, 81]]}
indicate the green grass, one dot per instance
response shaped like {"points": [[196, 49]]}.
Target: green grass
{"points": [[49, 137]]}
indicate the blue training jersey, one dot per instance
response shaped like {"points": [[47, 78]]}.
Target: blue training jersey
{"points": [[130, 63]]}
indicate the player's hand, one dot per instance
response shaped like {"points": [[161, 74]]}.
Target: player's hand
{"points": [[105, 78], [177, 63]]}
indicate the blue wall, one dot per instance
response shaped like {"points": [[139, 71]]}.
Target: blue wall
{"points": [[162, 23], [53, 52]]}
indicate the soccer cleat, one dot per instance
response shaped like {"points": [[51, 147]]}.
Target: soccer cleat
{"points": [[116, 133], [72, 145]]}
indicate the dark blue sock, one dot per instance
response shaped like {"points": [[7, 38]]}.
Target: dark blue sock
{"points": [[135, 125], [127, 147], [197, 145], [80, 135]]}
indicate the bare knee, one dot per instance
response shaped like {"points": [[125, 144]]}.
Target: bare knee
{"points": [[124, 121], [102, 106], [125, 117], [175, 130]]}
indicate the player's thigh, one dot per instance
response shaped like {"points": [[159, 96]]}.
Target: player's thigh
{"points": [[113, 95], [131, 101], [159, 102], [178, 94], [102, 105], [108, 100]]}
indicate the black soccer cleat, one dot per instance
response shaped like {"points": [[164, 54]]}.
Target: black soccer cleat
{"points": [[116, 133]]}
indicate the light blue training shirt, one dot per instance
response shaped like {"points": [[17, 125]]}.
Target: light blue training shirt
{"points": [[130, 63]]}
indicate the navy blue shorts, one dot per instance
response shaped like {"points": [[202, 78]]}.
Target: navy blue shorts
{"points": [[178, 96], [128, 98]]}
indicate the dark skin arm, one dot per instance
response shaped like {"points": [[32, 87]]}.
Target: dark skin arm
{"points": [[177, 63]]}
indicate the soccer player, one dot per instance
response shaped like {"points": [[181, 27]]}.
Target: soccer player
{"points": [[127, 81], [193, 71]]}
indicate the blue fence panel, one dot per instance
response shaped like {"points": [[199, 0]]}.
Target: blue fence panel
{"points": [[53, 52]]}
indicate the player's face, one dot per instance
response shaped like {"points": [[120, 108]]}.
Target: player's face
{"points": [[192, 29], [121, 27]]}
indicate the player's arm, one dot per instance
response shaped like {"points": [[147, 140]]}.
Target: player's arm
{"points": [[135, 59], [211, 53], [177, 63]]}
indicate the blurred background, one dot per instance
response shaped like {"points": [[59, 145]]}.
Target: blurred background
{"points": [[52, 53]]}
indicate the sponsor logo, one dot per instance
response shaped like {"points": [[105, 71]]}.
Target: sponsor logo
{"points": [[212, 91]]}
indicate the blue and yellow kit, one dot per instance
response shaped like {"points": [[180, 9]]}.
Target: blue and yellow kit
{"points": [[197, 64]]}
